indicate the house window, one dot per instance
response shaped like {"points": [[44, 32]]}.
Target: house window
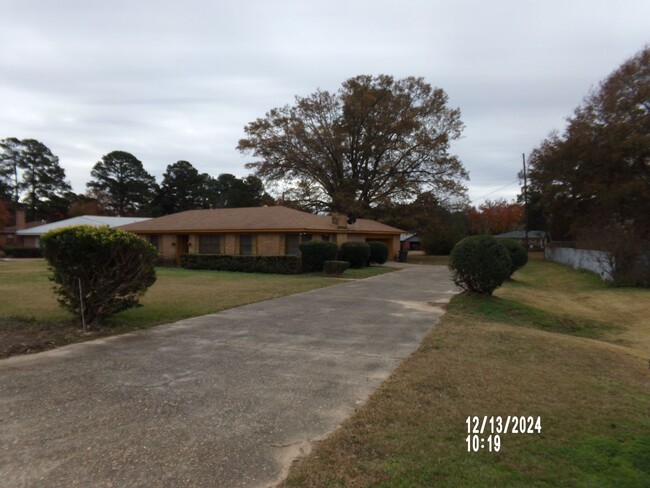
{"points": [[209, 244], [245, 244], [291, 242], [154, 240], [325, 237], [306, 237]]}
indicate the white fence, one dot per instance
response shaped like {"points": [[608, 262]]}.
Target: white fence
{"points": [[596, 261]]}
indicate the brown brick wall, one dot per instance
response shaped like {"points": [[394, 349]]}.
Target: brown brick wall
{"points": [[269, 244]]}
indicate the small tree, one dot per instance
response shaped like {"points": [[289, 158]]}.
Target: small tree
{"points": [[480, 264], [109, 268], [378, 252]]}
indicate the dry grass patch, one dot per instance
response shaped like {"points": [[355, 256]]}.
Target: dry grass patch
{"points": [[582, 294]]}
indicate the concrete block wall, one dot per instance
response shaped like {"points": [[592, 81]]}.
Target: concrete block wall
{"points": [[594, 261]]}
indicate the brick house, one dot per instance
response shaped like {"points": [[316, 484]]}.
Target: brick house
{"points": [[10, 235], [269, 231]]}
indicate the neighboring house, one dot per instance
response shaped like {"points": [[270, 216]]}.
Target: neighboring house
{"points": [[9, 235], [31, 237], [269, 231], [410, 242], [537, 239]]}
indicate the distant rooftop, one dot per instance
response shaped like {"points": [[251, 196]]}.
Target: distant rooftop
{"points": [[94, 220], [520, 234]]}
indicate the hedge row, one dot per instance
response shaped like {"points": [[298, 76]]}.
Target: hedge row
{"points": [[22, 252], [335, 267], [246, 264]]}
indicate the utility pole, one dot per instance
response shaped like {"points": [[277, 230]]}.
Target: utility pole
{"points": [[523, 157]]}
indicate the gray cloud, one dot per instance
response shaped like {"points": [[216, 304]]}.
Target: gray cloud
{"points": [[170, 80]]}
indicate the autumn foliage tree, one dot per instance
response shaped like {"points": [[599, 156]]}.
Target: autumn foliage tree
{"points": [[496, 217], [597, 174], [377, 140], [593, 182]]}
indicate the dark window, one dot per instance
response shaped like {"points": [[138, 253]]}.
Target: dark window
{"points": [[306, 237], [209, 244], [245, 244], [291, 244], [325, 237], [154, 240]]}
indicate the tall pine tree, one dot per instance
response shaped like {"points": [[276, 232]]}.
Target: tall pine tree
{"points": [[41, 185], [122, 185]]}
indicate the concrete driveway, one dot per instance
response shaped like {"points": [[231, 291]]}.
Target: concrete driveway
{"points": [[224, 400]]}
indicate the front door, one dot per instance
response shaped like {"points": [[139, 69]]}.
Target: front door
{"points": [[181, 247]]}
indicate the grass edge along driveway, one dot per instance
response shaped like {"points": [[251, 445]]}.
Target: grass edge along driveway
{"points": [[31, 319], [520, 353]]}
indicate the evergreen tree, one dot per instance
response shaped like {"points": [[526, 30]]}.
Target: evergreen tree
{"points": [[122, 185], [182, 188], [41, 183]]}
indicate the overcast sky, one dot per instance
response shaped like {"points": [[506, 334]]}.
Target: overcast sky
{"points": [[172, 80]]}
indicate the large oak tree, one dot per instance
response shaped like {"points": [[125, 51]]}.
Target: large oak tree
{"points": [[376, 141]]}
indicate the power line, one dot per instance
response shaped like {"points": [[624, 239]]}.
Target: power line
{"points": [[498, 189]]}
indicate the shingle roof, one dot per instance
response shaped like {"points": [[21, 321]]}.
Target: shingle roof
{"points": [[94, 220], [258, 219]]}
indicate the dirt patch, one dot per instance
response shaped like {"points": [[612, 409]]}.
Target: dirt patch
{"points": [[18, 336]]}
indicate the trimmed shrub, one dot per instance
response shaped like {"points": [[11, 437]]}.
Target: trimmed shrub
{"points": [[245, 264], [355, 253], [112, 267], [22, 252], [378, 252], [335, 267], [315, 253], [480, 264], [517, 253]]}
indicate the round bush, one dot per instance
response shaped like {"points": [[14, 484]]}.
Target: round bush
{"points": [[112, 267], [355, 253], [315, 253], [517, 253], [480, 264], [378, 252]]}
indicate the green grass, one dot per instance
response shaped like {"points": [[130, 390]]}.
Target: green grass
{"points": [[516, 313], [418, 258], [535, 349], [31, 319]]}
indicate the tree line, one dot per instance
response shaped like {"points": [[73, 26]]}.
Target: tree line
{"points": [[378, 148], [591, 183], [31, 176]]}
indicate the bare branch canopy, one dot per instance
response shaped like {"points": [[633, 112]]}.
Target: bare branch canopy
{"points": [[377, 140]]}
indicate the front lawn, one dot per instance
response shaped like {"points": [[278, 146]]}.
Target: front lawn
{"points": [[31, 319], [554, 344]]}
